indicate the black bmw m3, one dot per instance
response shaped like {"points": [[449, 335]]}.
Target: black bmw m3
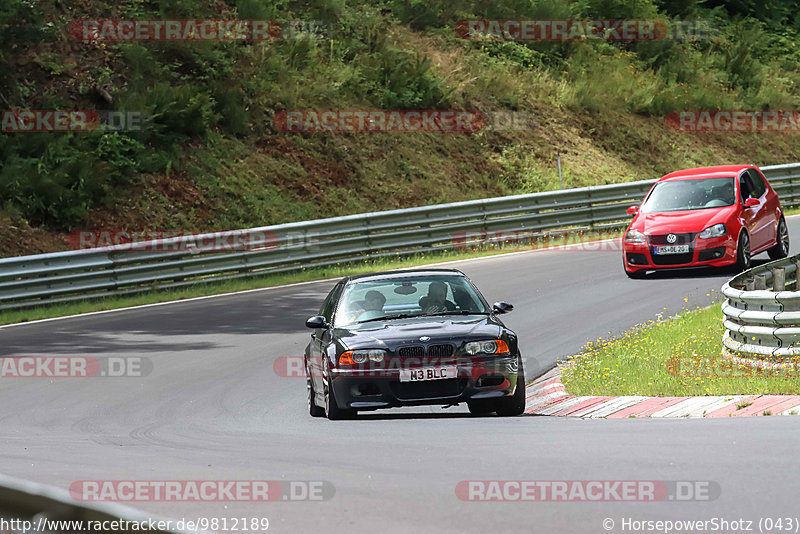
{"points": [[411, 338]]}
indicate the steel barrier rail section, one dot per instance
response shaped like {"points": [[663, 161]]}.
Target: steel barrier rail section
{"points": [[44, 279], [22, 500], [763, 322]]}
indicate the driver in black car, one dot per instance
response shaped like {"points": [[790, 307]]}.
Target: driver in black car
{"points": [[373, 305], [436, 300]]}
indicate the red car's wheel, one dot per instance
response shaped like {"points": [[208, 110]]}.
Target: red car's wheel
{"points": [[781, 248], [743, 252]]}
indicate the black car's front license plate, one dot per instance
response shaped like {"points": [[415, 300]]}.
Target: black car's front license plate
{"points": [[428, 373]]}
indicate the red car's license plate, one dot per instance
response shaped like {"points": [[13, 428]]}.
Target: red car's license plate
{"points": [[671, 249]]}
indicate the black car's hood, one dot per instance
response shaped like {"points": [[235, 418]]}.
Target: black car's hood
{"points": [[400, 332]]}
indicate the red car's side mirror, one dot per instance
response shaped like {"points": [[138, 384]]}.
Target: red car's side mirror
{"points": [[633, 210], [751, 203]]}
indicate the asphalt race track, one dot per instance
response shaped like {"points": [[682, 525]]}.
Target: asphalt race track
{"points": [[214, 408]]}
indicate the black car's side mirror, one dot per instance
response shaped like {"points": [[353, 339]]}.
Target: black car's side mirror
{"points": [[318, 321], [502, 307]]}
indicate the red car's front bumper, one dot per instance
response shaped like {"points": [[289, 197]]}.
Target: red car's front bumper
{"points": [[713, 252]]}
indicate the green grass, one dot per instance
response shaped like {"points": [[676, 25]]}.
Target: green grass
{"points": [[212, 160], [681, 356], [305, 275]]}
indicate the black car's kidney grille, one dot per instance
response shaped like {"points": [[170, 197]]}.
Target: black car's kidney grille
{"points": [[429, 389], [434, 351], [680, 239], [439, 351], [409, 352]]}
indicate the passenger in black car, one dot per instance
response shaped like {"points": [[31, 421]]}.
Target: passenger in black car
{"points": [[436, 300]]}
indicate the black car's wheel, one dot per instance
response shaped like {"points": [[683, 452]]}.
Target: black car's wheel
{"points": [[743, 253], [332, 410], [515, 404], [313, 409], [480, 407], [781, 248]]}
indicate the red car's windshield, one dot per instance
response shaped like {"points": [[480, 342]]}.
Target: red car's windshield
{"points": [[690, 195]]}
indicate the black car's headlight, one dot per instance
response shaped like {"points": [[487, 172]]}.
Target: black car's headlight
{"points": [[718, 230], [493, 346], [353, 357]]}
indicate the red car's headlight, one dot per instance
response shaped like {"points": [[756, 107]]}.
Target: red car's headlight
{"points": [[718, 230], [634, 236]]}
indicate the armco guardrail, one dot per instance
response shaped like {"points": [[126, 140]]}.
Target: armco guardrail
{"points": [[81, 274], [762, 318], [24, 506]]}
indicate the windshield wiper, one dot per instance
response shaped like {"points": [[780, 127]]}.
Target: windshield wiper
{"points": [[385, 317], [457, 312]]}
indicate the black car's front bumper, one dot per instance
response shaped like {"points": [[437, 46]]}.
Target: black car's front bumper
{"points": [[370, 389]]}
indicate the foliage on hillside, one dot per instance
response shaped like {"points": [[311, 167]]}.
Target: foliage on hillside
{"points": [[210, 158]]}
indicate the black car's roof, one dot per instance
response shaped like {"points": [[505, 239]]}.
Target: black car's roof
{"points": [[385, 275]]}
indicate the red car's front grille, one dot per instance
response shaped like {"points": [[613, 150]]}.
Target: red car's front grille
{"points": [[680, 239]]}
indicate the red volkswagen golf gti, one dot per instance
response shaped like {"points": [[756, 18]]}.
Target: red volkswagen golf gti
{"points": [[710, 216]]}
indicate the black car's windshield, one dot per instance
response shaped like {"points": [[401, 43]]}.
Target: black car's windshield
{"points": [[408, 297], [697, 194]]}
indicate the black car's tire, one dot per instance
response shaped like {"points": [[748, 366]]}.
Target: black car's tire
{"points": [[515, 404], [332, 410], [781, 248], [636, 275], [743, 261], [313, 409], [480, 407]]}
